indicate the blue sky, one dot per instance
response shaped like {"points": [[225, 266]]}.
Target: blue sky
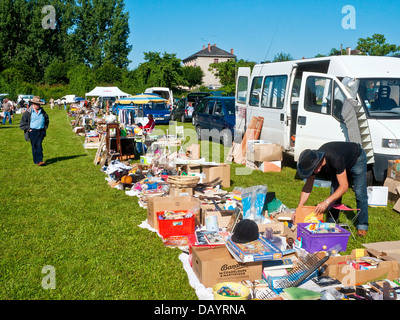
{"points": [[257, 30]]}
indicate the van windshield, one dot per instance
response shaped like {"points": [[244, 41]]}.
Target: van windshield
{"points": [[162, 94], [156, 106], [380, 97]]}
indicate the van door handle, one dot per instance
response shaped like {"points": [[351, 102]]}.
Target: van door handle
{"points": [[282, 117], [301, 120]]}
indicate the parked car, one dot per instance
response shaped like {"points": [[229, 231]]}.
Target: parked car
{"points": [[185, 107], [216, 113]]}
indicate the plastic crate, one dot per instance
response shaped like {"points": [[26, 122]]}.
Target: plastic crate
{"points": [[315, 242], [175, 227]]}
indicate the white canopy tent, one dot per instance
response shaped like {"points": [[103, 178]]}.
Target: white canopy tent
{"points": [[106, 92]]}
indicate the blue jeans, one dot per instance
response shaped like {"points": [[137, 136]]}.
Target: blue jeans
{"points": [[36, 137], [7, 114], [359, 176]]}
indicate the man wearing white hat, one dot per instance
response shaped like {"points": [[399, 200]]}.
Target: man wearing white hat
{"points": [[35, 122]]}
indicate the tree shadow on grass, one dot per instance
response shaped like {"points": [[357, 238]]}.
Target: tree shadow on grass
{"points": [[58, 159]]}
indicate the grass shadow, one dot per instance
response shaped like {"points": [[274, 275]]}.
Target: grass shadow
{"points": [[58, 159]]}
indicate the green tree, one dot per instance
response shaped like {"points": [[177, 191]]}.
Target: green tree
{"points": [[192, 76], [108, 74], [160, 70], [57, 72], [102, 32], [282, 57], [376, 46], [226, 72], [81, 79]]}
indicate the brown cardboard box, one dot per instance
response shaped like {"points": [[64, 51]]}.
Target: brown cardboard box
{"points": [[180, 192], [387, 250], [223, 219], [221, 170], [269, 166], [157, 204], [267, 152], [349, 276], [393, 192], [305, 213], [393, 170], [193, 151], [215, 265], [277, 227]]}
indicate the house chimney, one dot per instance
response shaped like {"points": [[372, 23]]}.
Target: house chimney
{"points": [[231, 51], [209, 47]]}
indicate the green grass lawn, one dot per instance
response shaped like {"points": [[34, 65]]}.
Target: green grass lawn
{"points": [[65, 215]]}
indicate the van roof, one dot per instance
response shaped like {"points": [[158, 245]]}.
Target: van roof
{"points": [[355, 66]]}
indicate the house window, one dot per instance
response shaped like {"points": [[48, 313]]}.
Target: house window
{"points": [[215, 60]]}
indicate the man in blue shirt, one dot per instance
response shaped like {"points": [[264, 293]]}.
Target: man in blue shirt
{"points": [[35, 122]]}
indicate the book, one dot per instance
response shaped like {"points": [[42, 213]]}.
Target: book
{"points": [[278, 264], [258, 250]]}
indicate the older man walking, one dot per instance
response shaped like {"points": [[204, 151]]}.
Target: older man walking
{"points": [[34, 123]]}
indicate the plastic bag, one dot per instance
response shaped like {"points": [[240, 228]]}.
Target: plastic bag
{"points": [[253, 200]]}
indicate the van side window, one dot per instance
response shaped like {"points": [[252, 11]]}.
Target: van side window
{"points": [[210, 107], [338, 100], [255, 91], [318, 95], [242, 89], [200, 107], [274, 90], [218, 108]]}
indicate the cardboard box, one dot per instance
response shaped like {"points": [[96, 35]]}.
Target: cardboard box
{"points": [[265, 166], [278, 228], [306, 214], [393, 170], [387, 250], [221, 170], [193, 151], [214, 265], [222, 218], [337, 268], [157, 204], [267, 152], [393, 190], [269, 166], [180, 192], [377, 196]]}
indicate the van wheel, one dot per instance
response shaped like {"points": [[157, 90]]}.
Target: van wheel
{"points": [[226, 138], [370, 177], [198, 133]]}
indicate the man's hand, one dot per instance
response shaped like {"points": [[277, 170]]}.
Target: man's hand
{"points": [[321, 207]]}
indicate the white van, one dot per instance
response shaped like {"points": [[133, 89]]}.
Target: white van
{"points": [[306, 103], [163, 92], [25, 97], [69, 98]]}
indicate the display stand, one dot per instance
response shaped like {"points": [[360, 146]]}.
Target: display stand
{"points": [[118, 151], [342, 208]]}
